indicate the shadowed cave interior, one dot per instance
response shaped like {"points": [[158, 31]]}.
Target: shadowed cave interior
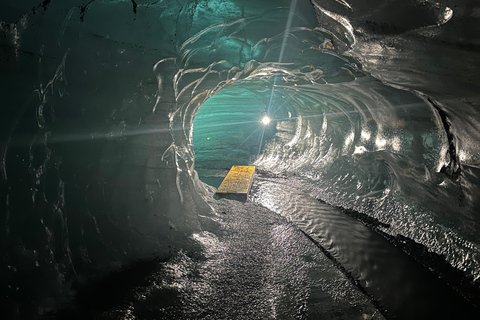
{"points": [[120, 118]]}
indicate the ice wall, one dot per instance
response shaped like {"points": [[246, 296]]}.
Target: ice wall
{"points": [[97, 165], [91, 178]]}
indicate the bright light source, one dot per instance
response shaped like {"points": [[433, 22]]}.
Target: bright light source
{"points": [[265, 120]]}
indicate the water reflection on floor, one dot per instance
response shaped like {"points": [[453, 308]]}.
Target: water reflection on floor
{"points": [[280, 255], [405, 288], [254, 265]]}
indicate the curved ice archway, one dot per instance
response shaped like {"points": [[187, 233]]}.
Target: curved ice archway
{"points": [[155, 200], [379, 149]]}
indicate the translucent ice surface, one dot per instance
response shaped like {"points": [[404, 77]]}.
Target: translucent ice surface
{"points": [[118, 117]]}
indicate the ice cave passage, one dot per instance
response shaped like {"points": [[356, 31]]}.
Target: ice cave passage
{"points": [[119, 119]]}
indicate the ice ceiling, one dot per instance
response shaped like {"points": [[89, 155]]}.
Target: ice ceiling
{"points": [[373, 104]]}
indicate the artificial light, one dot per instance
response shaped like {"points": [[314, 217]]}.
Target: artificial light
{"points": [[265, 120]]}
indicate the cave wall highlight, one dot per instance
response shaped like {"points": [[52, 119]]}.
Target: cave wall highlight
{"points": [[97, 162]]}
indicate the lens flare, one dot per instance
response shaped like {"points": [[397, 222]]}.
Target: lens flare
{"points": [[265, 120]]}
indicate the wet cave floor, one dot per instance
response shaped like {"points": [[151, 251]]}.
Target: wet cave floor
{"points": [[256, 264]]}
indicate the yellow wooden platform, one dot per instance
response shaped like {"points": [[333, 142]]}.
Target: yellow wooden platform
{"points": [[237, 183]]}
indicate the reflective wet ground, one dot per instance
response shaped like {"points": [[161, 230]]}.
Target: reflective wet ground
{"points": [[257, 265], [281, 255], [401, 286]]}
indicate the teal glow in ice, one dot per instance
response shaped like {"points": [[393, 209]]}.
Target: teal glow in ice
{"points": [[227, 131], [98, 156]]}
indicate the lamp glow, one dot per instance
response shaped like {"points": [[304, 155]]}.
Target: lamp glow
{"points": [[265, 120]]}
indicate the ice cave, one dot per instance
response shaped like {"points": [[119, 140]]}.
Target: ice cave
{"points": [[120, 118]]}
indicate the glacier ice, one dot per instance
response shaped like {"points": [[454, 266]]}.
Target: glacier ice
{"points": [[376, 107]]}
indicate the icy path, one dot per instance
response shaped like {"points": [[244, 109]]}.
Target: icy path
{"points": [[302, 260], [255, 265]]}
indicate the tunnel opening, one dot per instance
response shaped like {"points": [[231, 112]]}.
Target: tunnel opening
{"points": [[234, 126], [127, 187]]}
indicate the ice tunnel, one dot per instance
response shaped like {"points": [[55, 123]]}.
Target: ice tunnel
{"points": [[119, 118]]}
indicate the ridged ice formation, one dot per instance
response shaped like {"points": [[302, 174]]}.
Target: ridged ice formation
{"points": [[96, 156]]}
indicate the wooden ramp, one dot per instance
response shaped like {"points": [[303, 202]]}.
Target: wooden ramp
{"points": [[237, 183]]}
